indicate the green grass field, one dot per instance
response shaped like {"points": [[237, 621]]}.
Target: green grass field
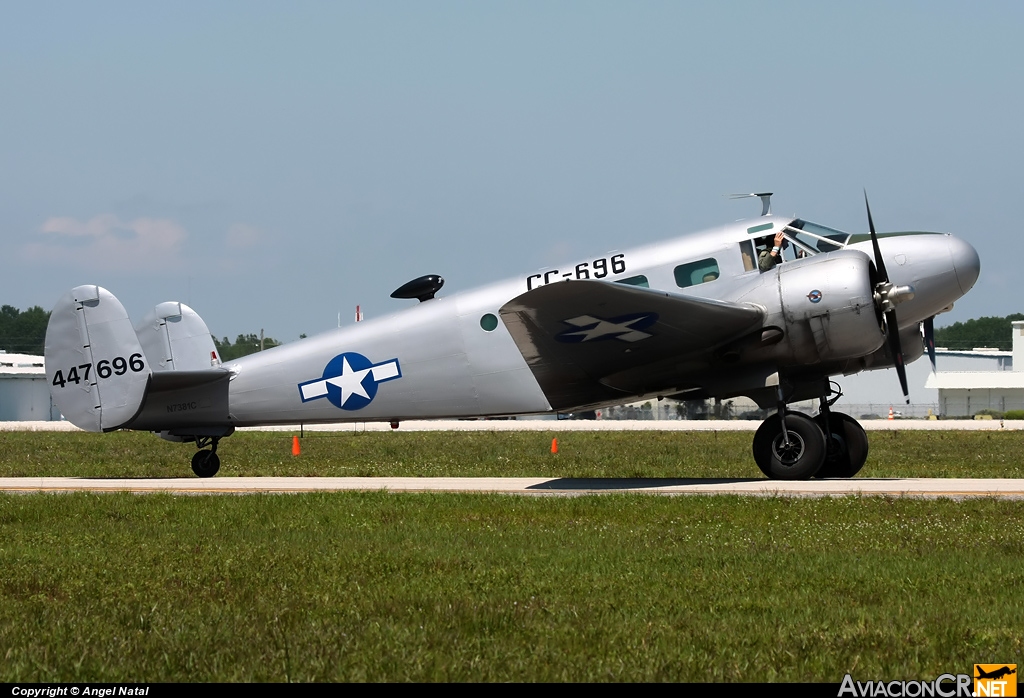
{"points": [[436, 454], [446, 587], [391, 587]]}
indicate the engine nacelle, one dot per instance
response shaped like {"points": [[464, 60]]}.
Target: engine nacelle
{"points": [[828, 306], [911, 342]]}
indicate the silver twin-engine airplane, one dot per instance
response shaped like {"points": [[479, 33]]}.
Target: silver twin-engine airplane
{"points": [[769, 308]]}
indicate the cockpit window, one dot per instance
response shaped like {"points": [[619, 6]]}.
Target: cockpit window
{"points": [[817, 237], [747, 253]]}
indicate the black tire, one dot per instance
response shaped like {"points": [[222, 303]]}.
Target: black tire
{"points": [[801, 460], [205, 463], [848, 449]]}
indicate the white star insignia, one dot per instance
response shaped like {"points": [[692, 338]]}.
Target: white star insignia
{"points": [[603, 328], [350, 381]]}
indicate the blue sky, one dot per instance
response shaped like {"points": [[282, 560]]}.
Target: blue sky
{"points": [[274, 164]]}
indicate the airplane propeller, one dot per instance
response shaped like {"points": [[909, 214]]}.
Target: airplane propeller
{"points": [[929, 339], [887, 296]]}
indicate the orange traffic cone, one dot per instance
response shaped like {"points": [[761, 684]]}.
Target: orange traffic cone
{"points": [[891, 415], [554, 445], [296, 449]]}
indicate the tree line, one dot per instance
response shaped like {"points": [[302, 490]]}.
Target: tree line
{"points": [[243, 345], [23, 332], [981, 332]]}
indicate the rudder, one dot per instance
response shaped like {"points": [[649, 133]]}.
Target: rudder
{"points": [[97, 369], [175, 338]]}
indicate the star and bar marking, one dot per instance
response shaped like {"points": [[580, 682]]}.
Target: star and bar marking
{"points": [[350, 381], [625, 327]]}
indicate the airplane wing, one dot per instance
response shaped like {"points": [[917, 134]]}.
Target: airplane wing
{"points": [[576, 334]]}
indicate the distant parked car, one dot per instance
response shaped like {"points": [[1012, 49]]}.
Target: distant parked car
{"points": [[586, 414]]}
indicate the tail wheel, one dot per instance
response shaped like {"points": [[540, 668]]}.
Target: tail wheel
{"points": [[847, 448], [800, 458], [205, 463]]}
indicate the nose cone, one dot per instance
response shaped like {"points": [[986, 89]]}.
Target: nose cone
{"points": [[966, 263]]}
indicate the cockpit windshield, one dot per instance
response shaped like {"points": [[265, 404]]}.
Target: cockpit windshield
{"points": [[813, 238]]}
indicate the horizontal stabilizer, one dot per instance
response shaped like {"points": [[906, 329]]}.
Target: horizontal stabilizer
{"points": [[185, 400], [97, 369]]}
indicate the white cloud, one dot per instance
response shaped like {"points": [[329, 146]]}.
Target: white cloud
{"points": [[106, 243]]}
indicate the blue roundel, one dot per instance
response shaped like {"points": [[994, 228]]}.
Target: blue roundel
{"points": [[357, 387], [350, 380], [814, 296]]}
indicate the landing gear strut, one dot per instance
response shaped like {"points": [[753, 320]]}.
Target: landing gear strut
{"points": [[206, 463]]}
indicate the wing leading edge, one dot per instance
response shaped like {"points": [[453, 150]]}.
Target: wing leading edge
{"points": [[574, 335]]}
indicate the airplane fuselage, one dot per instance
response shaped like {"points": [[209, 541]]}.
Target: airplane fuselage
{"points": [[454, 357]]}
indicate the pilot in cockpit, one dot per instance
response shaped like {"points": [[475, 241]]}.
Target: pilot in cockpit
{"points": [[770, 250]]}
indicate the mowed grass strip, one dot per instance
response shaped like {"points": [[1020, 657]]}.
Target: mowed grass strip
{"points": [[479, 454], [400, 587]]}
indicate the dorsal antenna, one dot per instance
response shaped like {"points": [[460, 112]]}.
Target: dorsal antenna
{"points": [[765, 197]]}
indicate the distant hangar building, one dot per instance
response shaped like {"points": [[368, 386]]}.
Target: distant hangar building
{"points": [[24, 392], [966, 393]]}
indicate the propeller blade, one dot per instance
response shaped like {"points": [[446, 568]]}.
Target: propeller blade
{"points": [[879, 264], [892, 329], [929, 339]]}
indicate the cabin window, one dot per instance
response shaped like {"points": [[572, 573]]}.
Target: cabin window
{"points": [[639, 280], [489, 322], [695, 273], [747, 253]]}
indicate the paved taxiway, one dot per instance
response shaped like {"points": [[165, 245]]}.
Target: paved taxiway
{"points": [[891, 487]]}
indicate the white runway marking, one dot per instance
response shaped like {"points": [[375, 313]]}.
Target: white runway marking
{"points": [[889, 487]]}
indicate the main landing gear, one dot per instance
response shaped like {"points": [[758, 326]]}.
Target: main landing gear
{"points": [[847, 445], [793, 446], [206, 463]]}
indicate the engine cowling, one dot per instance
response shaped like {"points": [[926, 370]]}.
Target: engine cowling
{"points": [[912, 343], [828, 306]]}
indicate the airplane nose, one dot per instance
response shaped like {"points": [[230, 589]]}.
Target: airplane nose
{"points": [[966, 263]]}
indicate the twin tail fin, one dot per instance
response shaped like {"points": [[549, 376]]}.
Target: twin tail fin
{"points": [[101, 369]]}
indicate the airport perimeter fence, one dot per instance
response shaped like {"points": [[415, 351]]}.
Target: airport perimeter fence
{"points": [[881, 410]]}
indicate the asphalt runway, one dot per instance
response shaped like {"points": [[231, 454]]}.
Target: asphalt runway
{"points": [[957, 488]]}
